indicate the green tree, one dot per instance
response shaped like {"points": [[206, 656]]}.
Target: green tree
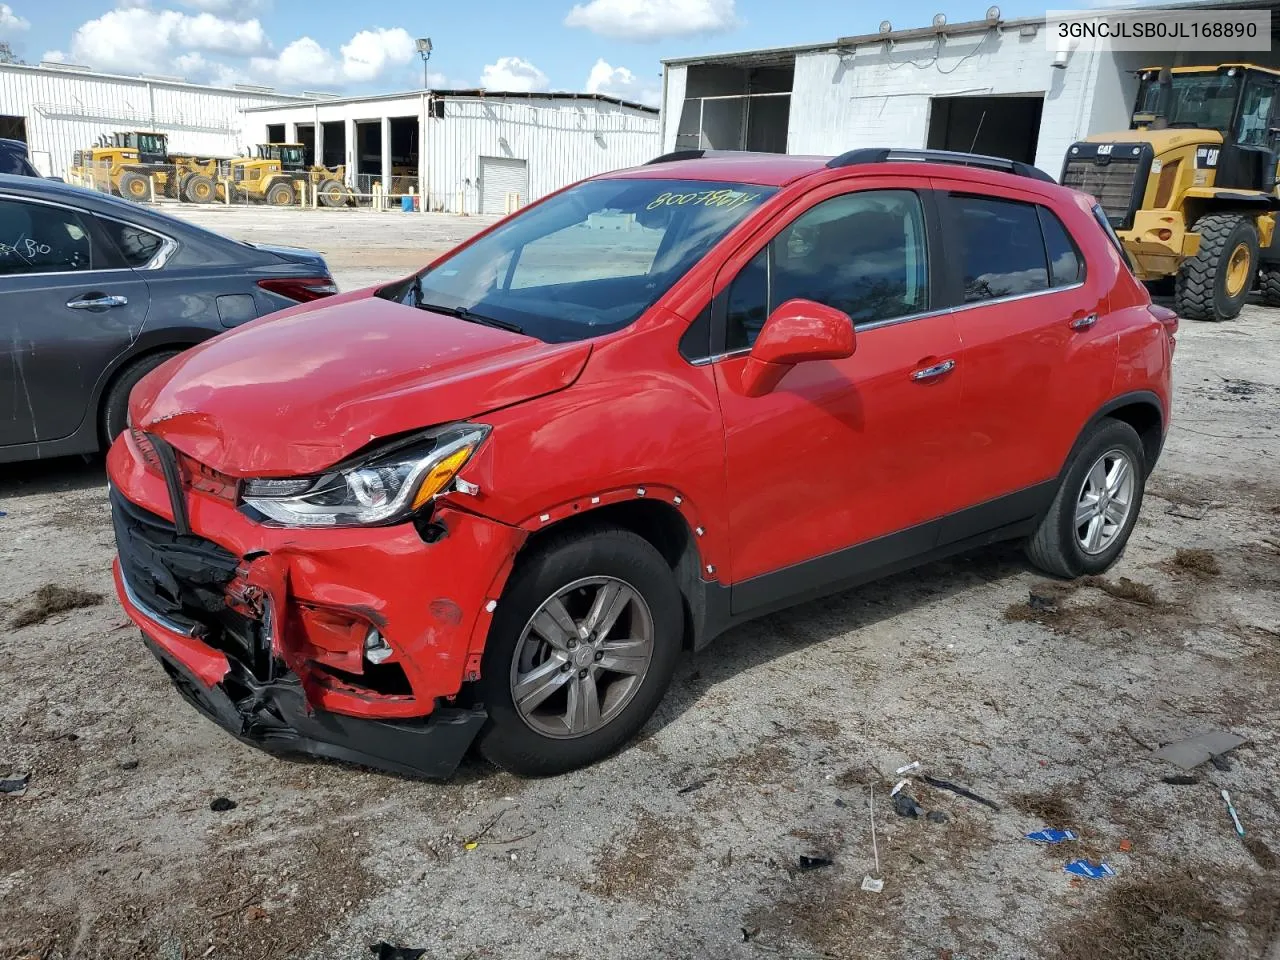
{"points": [[7, 55]]}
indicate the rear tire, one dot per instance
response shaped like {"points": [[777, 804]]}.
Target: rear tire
{"points": [[1082, 535], [115, 406], [333, 193], [1269, 284], [1215, 283], [575, 569]]}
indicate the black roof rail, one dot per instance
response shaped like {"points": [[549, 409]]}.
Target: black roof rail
{"points": [[885, 154], [699, 154]]}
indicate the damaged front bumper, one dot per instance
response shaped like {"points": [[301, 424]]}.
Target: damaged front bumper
{"points": [[264, 629]]}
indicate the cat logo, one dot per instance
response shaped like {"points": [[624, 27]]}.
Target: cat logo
{"points": [[1105, 149], [1206, 157]]}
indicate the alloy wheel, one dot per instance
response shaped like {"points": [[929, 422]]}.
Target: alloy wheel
{"points": [[1105, 501], [582, 657]]}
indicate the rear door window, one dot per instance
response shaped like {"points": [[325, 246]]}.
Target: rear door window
{"points": [[1000, 246], [38, 238]]}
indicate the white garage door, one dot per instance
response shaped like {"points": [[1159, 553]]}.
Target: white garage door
{"points": [[500, 176]]}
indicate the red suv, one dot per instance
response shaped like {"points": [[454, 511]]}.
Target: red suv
{"points": [[494, 501]]}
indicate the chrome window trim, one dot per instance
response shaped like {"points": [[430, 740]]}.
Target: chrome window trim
{"points": [[161, 257], [908, 318]]}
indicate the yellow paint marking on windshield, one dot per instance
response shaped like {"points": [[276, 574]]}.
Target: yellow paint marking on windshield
{"points": [[725, 199]]}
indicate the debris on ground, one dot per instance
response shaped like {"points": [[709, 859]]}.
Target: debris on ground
{"points": [[1181, 780], [814, 863], [872, 884], [50, 600], [1125, 846], [960, 791], [1123, 589], [749, 932], [904, 805], [129, 764], [385, 951], [1051, 836], [1231, 809], [1188, 511], [1042, 602], [1091, 871], [1193, 751], [913, 765], [693, 787], [936, 816], [897, 787], [1198, 561], [222, 804], [15, 786]]}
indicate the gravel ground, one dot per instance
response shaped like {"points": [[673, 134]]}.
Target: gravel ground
{"points": [[687, 844]]}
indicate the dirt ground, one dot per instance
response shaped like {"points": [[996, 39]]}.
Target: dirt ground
{"points": [[1047, 699]]}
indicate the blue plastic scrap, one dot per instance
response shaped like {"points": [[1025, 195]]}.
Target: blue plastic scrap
{"points": [[1051, 836], [1083, 868]]}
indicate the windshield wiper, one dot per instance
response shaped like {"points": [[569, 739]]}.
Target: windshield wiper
{"points": [[462, 313]]}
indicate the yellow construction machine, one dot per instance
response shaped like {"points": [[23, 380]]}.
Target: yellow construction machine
{"points": [[131, 163], [1190, 188], [275, 170]]}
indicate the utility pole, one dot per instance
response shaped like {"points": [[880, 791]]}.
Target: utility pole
{"points": [[424, 51]]}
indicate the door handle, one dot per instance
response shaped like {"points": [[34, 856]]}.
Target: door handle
{"points": [[937, 370], [92, 302], [1084, 323]]}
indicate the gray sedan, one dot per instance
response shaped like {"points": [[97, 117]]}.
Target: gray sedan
{"points": [[95, 292]]}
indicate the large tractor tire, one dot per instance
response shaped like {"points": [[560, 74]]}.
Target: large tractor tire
{"points": [[199, 189], [1269, 284], [334, 193], [1215, 283], [134, 186], [280, 195]]}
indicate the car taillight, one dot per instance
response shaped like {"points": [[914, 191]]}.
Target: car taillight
{"points": [[301, 289], [1169, 319]]}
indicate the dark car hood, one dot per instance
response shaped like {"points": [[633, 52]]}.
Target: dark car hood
{"points": [[297, 391]]}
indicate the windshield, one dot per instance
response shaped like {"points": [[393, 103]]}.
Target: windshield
{"points": [[291, 156], [590, 260], [150, 143], [1203, 100]]}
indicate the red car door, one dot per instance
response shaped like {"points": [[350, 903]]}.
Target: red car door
{"points": [[841, 452], [1037, 356]]}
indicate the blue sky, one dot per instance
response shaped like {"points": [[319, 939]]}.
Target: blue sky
{"points": [[610, 46]]}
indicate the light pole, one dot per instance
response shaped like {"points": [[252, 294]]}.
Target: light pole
{"points": [[424, 51]]}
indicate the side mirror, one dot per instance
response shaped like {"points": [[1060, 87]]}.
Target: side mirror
{"points": [[797, 331]]}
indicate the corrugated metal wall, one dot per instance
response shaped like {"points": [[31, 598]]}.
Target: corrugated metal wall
{"points": [[563, 141], [67, 110]]}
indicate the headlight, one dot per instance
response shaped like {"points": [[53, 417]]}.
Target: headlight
{"points": [[384, 488]]}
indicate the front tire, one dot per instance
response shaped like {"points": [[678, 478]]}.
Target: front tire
{"points": [[199, 189], [280, 195], [1215, 283], [1097, 504], [1269, 284], [581, 650]]}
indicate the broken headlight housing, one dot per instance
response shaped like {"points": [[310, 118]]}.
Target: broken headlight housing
{"points": [[383, 487]]}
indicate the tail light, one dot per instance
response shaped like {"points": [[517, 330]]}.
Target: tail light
{"points": [[1168, 319], [301, 289]]}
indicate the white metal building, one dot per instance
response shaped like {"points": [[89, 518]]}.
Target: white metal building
{"points": [[989, 86], [59, 108], [466, 151]]}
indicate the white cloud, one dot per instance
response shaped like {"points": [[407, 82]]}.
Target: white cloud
{"points": [[55, 56], [141, 39], [370, 52], [653, 19], [621, 82], [216, 6], [302, 62], [513, 74], [10, 22]]}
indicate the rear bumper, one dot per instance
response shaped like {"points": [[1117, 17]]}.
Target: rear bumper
{"points": [[275, 717]]}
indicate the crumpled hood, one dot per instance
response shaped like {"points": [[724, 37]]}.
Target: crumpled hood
{"points": [[295, 392]]}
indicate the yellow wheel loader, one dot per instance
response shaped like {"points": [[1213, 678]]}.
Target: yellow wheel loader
{"points": [[273, 173], [1190, 188], [130, 162]]}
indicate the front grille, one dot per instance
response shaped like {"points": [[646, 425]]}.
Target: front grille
{"points": [[182, 578], [1111, 183]]}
